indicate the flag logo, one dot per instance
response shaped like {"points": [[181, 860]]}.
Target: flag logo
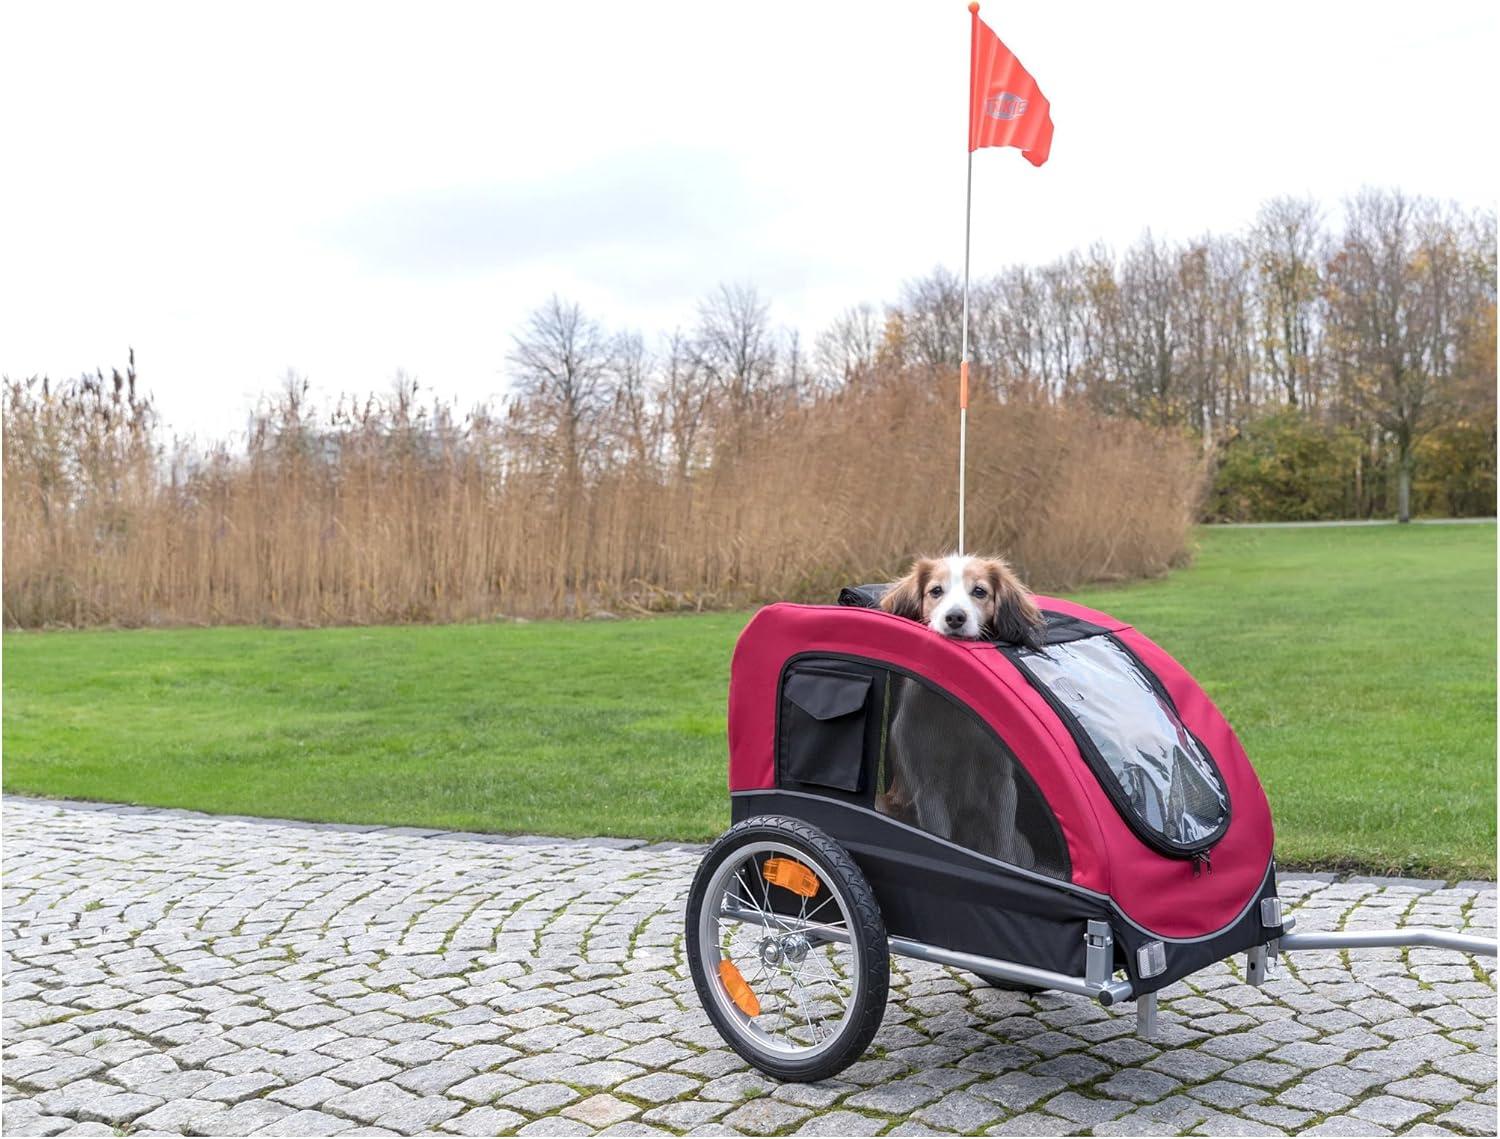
{"points": [[1005, 106]]}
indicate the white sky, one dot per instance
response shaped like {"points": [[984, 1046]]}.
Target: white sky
{"points": [[348, 190]]}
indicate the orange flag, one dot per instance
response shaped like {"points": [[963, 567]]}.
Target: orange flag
{"points": [[1006, 107]]}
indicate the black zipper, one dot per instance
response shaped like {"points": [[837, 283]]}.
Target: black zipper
{"points": [[1197, 851]]}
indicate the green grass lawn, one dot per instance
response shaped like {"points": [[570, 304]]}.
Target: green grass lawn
{"points": [[1357, 663]]}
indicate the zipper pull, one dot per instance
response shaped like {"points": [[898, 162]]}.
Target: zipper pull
{"points": [[1202, 861]]}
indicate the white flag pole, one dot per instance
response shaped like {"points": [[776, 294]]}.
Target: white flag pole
{"points": [[963, 365]]}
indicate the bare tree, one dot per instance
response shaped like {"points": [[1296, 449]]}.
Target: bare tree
{"points": [[932, 310], [1009, 333], [847, 350], [736, 352], [1103, 332], [1196, 317], [1230, 390], [1391, 291], [1066, 324], [1150, 336], [637, 422], [562, 386], [1287, 241], [685, 398]]}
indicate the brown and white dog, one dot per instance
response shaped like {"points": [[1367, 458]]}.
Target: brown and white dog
{"points": [[945, 774], [963, 596]]}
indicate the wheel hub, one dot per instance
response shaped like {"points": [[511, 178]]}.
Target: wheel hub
{"points": [[791, 948], [794, 948]]}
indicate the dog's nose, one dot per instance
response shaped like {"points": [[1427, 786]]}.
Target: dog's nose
{"points": [[955, 618]]}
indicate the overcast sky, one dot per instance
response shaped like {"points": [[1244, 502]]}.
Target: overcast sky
{"points": [[346, 191]]}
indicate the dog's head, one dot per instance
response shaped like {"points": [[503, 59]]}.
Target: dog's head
{"points": [[962, 596]]}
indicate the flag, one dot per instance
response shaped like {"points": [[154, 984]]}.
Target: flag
{"points": [[1006, 107]]}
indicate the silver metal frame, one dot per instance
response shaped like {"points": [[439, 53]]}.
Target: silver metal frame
{"points": [[1387, 938], [1100, 983], [1106, 992]]}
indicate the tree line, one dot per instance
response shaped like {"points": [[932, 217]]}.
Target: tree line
{"points": [[1327, 362], [1311, 366]]}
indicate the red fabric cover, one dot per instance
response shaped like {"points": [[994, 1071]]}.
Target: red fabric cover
{"points": [[1159, 893]]}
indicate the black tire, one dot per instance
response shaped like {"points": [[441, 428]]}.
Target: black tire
{"points": [[1011, 986], [871, 982]]}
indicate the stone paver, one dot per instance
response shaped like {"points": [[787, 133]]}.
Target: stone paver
{"points": [[172, 973]]}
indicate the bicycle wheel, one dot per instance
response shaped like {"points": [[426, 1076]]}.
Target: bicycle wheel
{"points": [[787, 948]]}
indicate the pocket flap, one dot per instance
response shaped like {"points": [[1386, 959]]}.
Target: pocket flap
{"points": [[827, 695]]}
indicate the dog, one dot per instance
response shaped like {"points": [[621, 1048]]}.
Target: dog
{"points": [[945, 773], [968, 597]]}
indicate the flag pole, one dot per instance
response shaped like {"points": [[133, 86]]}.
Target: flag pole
{"points": [[963, 365]]}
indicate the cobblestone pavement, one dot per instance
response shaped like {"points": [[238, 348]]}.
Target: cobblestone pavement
{"points": [[170, 973]]}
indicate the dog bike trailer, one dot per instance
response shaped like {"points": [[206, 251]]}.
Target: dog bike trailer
{"points": [[1078, 817]]}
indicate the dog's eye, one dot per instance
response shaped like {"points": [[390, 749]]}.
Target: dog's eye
{"points": [[935, 591], [979, 592]]}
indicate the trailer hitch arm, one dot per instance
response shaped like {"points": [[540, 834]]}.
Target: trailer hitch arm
{"points": [[1388, 938]]}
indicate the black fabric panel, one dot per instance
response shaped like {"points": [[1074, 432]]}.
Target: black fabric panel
{"points": [[931, 892], [863, 596], [1062, 628], [1185, 957]]}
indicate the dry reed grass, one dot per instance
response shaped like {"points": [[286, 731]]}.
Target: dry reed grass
{"points": [[388, 511]]}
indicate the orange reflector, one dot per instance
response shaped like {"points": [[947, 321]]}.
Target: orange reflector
{"points": [[739, 992], [791, 875]]}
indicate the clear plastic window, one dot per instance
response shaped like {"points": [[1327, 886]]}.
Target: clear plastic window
{"points": [[1169, 783]]}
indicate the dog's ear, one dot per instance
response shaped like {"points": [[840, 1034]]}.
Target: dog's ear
{"points": [[1017, 619], [904, 598]]}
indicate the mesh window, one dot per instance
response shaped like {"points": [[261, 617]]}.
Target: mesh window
{"points": [[1168, 782], [944, 771]]}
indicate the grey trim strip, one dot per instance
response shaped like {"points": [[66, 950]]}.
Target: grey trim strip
{"points": [[1070, 887]]}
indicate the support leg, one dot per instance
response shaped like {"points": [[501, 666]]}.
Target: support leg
{"points": [[1257, 964], [1145, 1015]]}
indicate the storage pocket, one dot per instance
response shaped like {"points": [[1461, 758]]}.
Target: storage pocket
{"points": [[823, 713]]}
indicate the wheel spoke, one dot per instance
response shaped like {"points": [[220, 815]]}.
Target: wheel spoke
{"points": [[820, 905]]}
